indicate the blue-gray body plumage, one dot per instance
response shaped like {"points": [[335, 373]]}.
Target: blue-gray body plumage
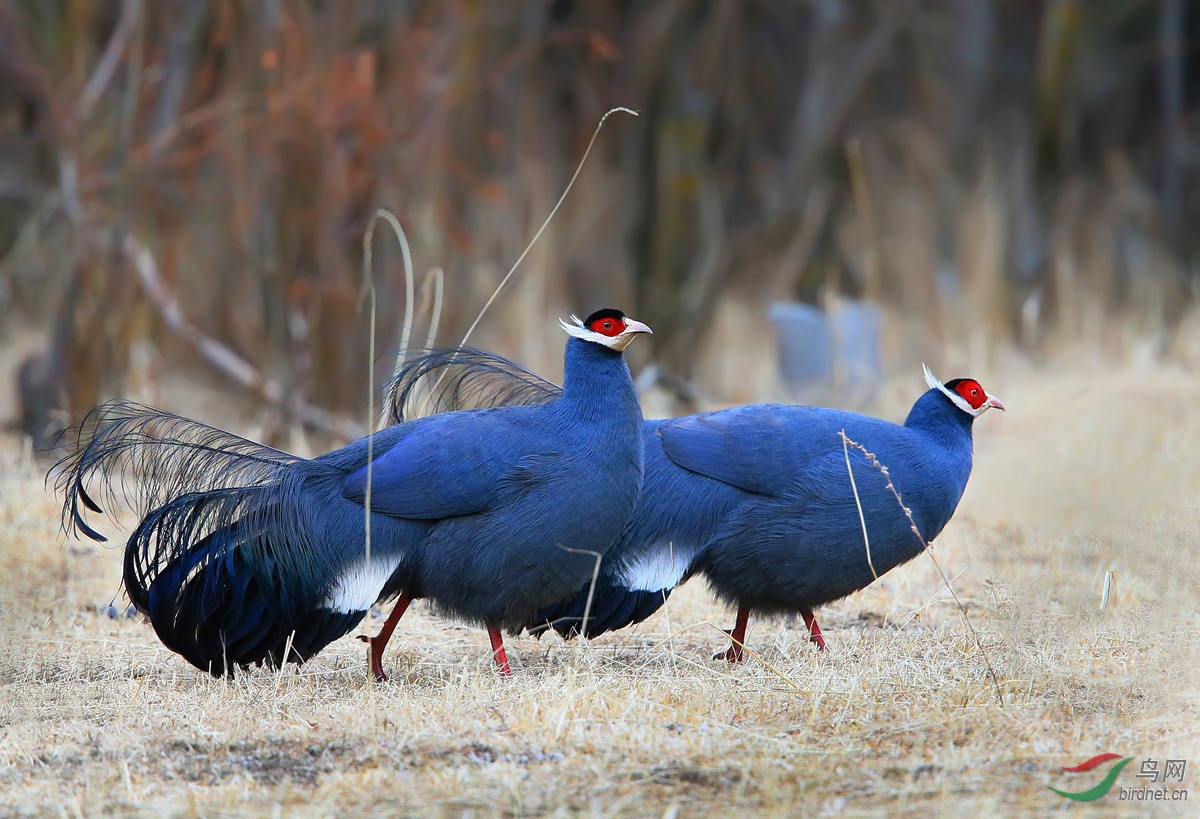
{"points": [[757, 499], [246, 554]]}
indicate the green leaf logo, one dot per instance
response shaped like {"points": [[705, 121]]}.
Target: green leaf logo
{"points": [[1105, 784]]}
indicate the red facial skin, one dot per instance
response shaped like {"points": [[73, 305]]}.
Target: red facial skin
{"points": [[971, 392], [607, 326]]}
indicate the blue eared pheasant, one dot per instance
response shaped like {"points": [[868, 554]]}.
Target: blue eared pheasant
{"points": [[756, 498], [246, 554]]}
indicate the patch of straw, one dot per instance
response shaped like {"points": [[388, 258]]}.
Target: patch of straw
{"points": [[883, 470]]}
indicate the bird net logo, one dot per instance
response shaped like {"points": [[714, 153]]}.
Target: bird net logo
{"points": [[1153, 772]]}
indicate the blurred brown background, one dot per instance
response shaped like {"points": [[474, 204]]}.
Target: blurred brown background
{"points": [[184, 187]]}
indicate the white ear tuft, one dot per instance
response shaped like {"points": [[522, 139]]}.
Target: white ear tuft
{"points": [[954, 397], [931, 379], [576, 330]]}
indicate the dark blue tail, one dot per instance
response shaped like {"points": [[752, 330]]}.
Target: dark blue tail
{"points": [[241, 549], [231, 598], [613, 607]]}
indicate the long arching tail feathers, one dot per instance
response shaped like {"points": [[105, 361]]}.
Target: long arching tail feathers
{"points": [[238, 545], [143, 457], [440, 381]]}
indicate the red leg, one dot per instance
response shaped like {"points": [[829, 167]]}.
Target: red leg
{"points": [[814, 630], [737, 637], [498, 651], [376, 644]]}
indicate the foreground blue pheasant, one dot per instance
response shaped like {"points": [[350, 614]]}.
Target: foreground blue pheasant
{"points": [[246, 554], [758, 499]]}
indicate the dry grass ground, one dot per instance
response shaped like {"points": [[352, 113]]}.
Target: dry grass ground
{"points": [[1087, 472]]}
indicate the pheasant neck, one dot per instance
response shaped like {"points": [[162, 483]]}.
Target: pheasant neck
{"points": [[936, 415], [597, 383]]}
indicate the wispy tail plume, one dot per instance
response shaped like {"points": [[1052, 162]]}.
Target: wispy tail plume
{"points": [[463, 378], [238, 543], [140, 457]]}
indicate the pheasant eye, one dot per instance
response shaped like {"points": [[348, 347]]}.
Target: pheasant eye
{"points": [[607, 326], [972, 393]]}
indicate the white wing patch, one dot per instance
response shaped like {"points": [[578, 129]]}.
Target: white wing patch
{"points": [[661, 568], [359, 586]]}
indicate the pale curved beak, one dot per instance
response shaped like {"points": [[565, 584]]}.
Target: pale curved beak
{"points": [[993, 401], [632, 326]]}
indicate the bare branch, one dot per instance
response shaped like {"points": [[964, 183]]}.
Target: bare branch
{"points": [[218, 354], [131, 11]]}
